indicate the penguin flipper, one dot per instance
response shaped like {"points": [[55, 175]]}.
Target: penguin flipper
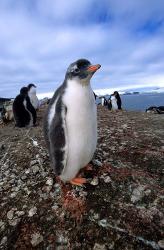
{"points": [[58, 139]]}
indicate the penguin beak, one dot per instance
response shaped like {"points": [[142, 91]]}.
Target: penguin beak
{"points": [[93, 68]]}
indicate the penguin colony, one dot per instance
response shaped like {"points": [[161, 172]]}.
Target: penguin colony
{"points": [[70, 125]]}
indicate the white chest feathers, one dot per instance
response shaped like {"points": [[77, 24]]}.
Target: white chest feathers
{"points": [[33, 98], [114, 103], [81, 123]]}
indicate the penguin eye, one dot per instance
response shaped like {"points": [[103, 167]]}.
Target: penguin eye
{"points": [[76, 70]]}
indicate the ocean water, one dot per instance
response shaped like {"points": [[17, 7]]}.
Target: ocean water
{"points": [[140, 102]]}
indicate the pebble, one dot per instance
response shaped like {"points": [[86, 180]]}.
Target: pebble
{"points": [[36, 239], [13, 195], [103, 223], [10, 214], [107, 179], [27, 171], [55, 207], [49, 182], [61, 239], [34, 162], [20, 213], [32, 211], [161, 243], [35, 169], [99, 247], [137, 193], [97, 163], [95, 181], [24, 177], [35, 143], [14, 222], [2, 225], [4, 240]]}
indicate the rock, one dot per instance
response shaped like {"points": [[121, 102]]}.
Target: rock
{"points": [[20, 213], [2, 225], [161, 243], [137, 193], [103, 223], [24, 177], [32, 211], [99, 247], [35, 169], [16, 189], [107, 179], [97, 163], [96, 216], [61, 239], [14, 222], [55, 207], [49, 181], [35, 143], [27, 171], [34, 162], [13, 195], [4, 241], [10, 214], [95, 181], [36, 239]]}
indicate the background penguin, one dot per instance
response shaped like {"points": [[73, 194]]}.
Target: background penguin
{"points": [[70, 126], [24, 112], [117, 96], [115, 101], [32, 95], [103, 101]]}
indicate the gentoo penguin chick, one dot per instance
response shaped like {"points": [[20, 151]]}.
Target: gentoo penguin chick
{"points": [[24, 112], [70, 125], [32, 95]]}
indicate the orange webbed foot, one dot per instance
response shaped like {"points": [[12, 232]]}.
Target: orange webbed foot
{"points": [[78, 181]]}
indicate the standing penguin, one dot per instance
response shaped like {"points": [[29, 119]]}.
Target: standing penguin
{"points": [[32, 95], [118, 98], [24, 112], [70, 125], [115, 101]]}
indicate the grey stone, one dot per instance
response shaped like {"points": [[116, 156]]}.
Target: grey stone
{"points": [[36, 239], [32, 211], [35, 169], [10, 214]]}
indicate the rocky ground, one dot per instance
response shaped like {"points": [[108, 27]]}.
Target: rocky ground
{"points": [[121, 206]]}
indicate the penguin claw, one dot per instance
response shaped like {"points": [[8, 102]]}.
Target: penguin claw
{"points": [[78, 181]]}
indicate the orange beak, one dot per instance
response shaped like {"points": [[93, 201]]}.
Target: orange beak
{"points": [[93, 68]]}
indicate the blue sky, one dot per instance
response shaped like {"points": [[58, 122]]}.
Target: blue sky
{"points": [[40, 38]]}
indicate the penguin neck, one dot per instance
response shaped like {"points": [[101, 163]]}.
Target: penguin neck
{"points": [[78, 83]]}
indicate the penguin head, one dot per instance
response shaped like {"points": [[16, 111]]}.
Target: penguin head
{"points": [[30, 86], [82, 71], [24, 91]]}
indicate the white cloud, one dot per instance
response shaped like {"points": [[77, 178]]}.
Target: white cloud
{"points": [[39, 39]]}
